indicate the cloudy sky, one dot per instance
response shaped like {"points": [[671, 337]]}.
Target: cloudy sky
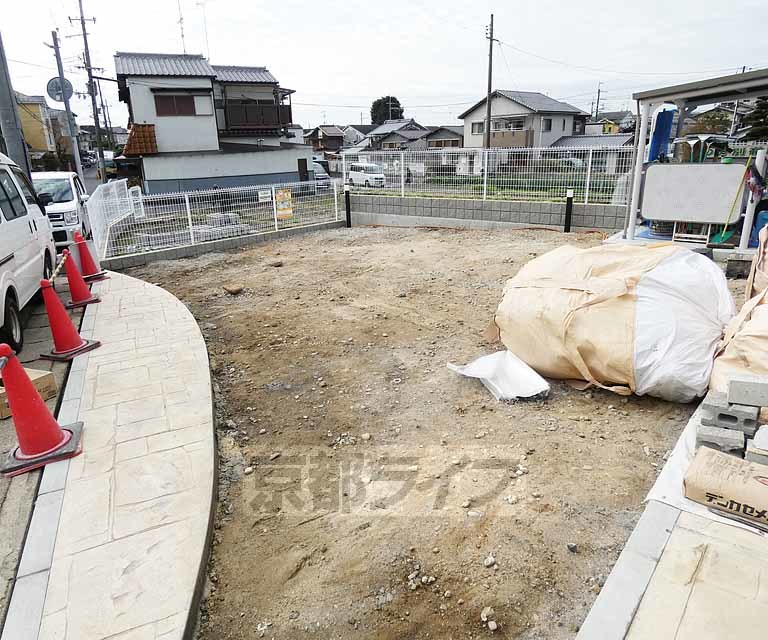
{"points": [[432, 54]]}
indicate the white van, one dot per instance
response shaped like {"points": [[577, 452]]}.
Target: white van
{"points": [[27, 251], [67, 211], [366, 174]]}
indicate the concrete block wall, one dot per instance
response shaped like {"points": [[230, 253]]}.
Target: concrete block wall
{"points": [[514, 213]]}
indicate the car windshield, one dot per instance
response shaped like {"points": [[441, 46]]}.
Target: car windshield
{"points": [[59, 188], [371, 168], [319, 170]]}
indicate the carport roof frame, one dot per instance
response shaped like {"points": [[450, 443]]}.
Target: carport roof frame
{"points": [[738, 86]]}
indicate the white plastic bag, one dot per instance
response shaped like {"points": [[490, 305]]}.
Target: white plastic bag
{"points": [[505, 375]]}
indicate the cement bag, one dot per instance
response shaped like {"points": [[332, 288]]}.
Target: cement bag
{"points": [[744, 349], [757, 281], [643, 319]]}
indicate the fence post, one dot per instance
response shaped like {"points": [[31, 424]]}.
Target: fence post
{"points": [[485, 173], [568, 210], [348, 206], [189, 219], [402, 175], [274, 208], [344, 168], [589, 177], [336, 200]]}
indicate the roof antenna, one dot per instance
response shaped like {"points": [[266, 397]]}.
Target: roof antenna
{"points": [[201, 4], [181, 26]]}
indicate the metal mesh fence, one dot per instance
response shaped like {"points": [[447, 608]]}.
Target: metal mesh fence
{"points": [[597, 175], [127, 222]]}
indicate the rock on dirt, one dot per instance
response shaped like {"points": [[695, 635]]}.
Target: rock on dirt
{"points": [[275, 263], [233, 289]]}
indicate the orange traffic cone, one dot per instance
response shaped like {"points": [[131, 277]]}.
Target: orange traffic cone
{"points": [[91, 271], [67, 342], [41, 439], [81, 294]]}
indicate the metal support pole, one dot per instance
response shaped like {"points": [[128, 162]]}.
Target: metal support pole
{"points": [[487, 127], [485, 173], [749, 215], [348, 206], [10, 124], [189, 219], [589, 177], [344, 168], [645, 114], [335, 200], [568, 210], [274, 209], [402, 175], [70, 120]]}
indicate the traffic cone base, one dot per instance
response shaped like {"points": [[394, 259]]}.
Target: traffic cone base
{"points": [[16, 463], [96, 277], [66, 356], [82, 303]]}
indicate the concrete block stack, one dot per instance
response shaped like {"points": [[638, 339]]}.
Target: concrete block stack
{"points": [[729, 423]]}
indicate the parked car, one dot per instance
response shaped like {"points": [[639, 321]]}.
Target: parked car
{"points": [[66, 211], [27, 250], [110, 168], [322, 179], [366, 174]]}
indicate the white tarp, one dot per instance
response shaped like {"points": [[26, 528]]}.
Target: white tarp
{"points": [[505, 375]]}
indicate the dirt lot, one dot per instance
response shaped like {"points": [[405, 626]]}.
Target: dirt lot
{"points": [[368, 492]]}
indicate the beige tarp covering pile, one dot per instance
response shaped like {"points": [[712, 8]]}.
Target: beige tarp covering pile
{"points": [[572, 314], [744, 349]]}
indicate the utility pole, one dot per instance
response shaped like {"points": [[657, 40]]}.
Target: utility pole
{"points": [[181, 26], [201, 4], [92, 92], [487, 136], [736, 109], [70, 120], [10, 125], [597, 104], [107, 128]]}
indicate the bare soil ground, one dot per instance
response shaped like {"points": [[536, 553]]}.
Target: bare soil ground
{"points": [[364, 487]]}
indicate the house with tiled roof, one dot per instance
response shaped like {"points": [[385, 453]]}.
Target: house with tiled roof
{"points": [[194, 125], [326, 137], [522, 119]]}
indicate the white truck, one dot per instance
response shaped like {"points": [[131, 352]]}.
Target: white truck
{"points": [[66, 212]]}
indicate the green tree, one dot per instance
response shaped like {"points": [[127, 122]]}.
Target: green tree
{"points": [[383, 107], [714, 121], [758, 120]]}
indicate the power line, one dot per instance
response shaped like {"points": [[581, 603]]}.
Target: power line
{"points": [[599, 70]]}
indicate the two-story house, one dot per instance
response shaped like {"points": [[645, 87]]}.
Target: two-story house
{"points": [[522, 119], [193, 125], [36, 125]]}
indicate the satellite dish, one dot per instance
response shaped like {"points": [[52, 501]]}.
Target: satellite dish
{"points": [[58, 90]]}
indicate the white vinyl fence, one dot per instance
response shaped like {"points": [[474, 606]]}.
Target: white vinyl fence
{"points": [[127, 222], [597, 175]]}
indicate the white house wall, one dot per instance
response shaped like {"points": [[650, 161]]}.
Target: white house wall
{"points": [[546, 138], [190, 171], [173, 133]]}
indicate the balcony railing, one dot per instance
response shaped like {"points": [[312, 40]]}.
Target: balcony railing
{"points": [[257, 116], [522, 138]]}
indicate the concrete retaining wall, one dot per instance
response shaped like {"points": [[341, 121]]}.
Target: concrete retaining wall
{"points": [[375, 209]]}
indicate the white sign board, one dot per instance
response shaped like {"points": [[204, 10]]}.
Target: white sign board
{"points": [[692, 192], [265, 195]]}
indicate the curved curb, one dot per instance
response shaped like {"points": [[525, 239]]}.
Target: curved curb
{"points": [[120, 536]]}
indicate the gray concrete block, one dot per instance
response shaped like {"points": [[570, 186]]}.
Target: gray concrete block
{"points": [[725, 440], [716, 411], [749, 390], [753, 454], [41, 535], [25, 611]]}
